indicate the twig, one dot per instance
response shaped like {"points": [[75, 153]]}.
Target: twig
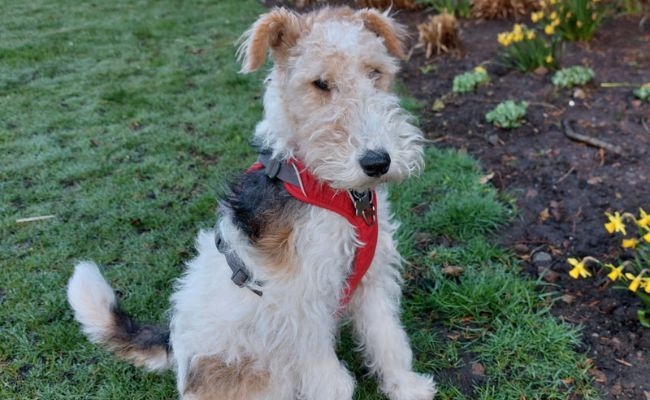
{"points": [[34, 219], [563, 177], [571, 134], [618, 85], [621, 361]]}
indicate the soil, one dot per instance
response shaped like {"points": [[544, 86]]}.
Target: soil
{"points": [[562, 187]]}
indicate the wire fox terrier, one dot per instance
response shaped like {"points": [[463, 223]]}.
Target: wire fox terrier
{"points": [[305, 239]]}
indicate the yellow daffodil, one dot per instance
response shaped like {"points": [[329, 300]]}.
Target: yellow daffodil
{"points": [[549, 59], [579, 24], [530, 35], [537, 16], [549, 29], [505, 39], [479, 69], [616, 272], [553, 2], [629, 243], [553, 15], [615, 223], [646, 237], [644, 219], [579, 268], [636, 281]]}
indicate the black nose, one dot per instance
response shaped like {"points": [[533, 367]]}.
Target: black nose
{"points": [[375, 162]]}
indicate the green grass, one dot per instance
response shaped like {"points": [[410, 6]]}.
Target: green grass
{"points": [[123, 119]]}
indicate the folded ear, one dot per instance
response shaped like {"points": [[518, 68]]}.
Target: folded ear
{"points": [[387, 28], [276, 31]]}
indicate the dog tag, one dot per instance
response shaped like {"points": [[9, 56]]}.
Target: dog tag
{"points": [[363, 206]]}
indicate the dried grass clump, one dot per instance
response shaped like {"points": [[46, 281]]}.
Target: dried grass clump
{"points": [[439, 33], [493, 9], [393, 4]]}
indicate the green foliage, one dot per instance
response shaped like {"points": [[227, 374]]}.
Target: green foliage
{"points": [[570, 19], [573, 76], [508, 114], [469, 81], [487, 306], [643, 93], [459, 8]]}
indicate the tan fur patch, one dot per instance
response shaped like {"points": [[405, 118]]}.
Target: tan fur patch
{"points": [[277, 248], [384, 27], [278, 30], [210, 378]]}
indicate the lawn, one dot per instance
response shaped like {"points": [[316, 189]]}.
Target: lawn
{"points": [[120, 122]]}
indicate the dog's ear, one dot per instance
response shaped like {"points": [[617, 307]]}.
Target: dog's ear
{"points": [[277, 30], [386, 28]]}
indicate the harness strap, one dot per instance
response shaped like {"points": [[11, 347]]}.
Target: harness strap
{"points": [[359, 208], [240, 274]]}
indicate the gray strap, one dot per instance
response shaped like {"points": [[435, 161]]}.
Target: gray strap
{"points": [[279, 169], [240, 274]]}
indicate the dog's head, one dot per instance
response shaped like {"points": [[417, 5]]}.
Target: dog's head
{"points": [[328, 100]]}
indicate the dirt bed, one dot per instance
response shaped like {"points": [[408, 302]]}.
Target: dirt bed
{"points": [[562, 186]]}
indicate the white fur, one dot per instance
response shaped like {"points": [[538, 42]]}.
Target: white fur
{"points": [[91, 299], [290, 330]]}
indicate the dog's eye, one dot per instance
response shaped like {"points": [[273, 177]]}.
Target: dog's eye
{"points": [[374, 74], [321, 85]]}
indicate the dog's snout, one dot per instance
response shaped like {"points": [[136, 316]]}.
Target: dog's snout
{"points": [[375, 163]]}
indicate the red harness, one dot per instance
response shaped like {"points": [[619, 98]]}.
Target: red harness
{"points": [[312, 191]]}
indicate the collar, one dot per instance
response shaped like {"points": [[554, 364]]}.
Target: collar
{"points": [[359, 208]]}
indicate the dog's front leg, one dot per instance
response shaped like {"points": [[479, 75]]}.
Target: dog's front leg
{"points": [[323, 376], [375, 314]]}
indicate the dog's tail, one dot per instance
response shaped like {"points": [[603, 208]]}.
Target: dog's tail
{"points": [[97, 310]]}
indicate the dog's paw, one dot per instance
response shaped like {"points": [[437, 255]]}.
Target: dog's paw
{"points": [[410, 386]]}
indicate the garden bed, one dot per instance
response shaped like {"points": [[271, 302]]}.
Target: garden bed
{"points": [[562, 187]]}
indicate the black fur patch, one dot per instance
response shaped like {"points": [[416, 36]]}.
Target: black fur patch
{"points": [[259, 203], [131, 335]]}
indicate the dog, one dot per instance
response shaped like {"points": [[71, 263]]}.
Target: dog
{"points": [[304, 241]]}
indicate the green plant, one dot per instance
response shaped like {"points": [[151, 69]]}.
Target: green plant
{"points": [[630, 6], [569, 19], [573, 76], [508, 114], [459, 8], [469, 81], [525, 50], [643, 93], [633, 273]]}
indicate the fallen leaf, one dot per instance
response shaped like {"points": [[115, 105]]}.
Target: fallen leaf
{"points": [[595, 180], [568, 381], [486, 178], [452, 270], [478, 369], [438, 105], [598, 375], [544, 215], [647, 395], [568, 298]]}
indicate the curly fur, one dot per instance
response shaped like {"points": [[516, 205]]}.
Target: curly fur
{"points": [[327, 102]]}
